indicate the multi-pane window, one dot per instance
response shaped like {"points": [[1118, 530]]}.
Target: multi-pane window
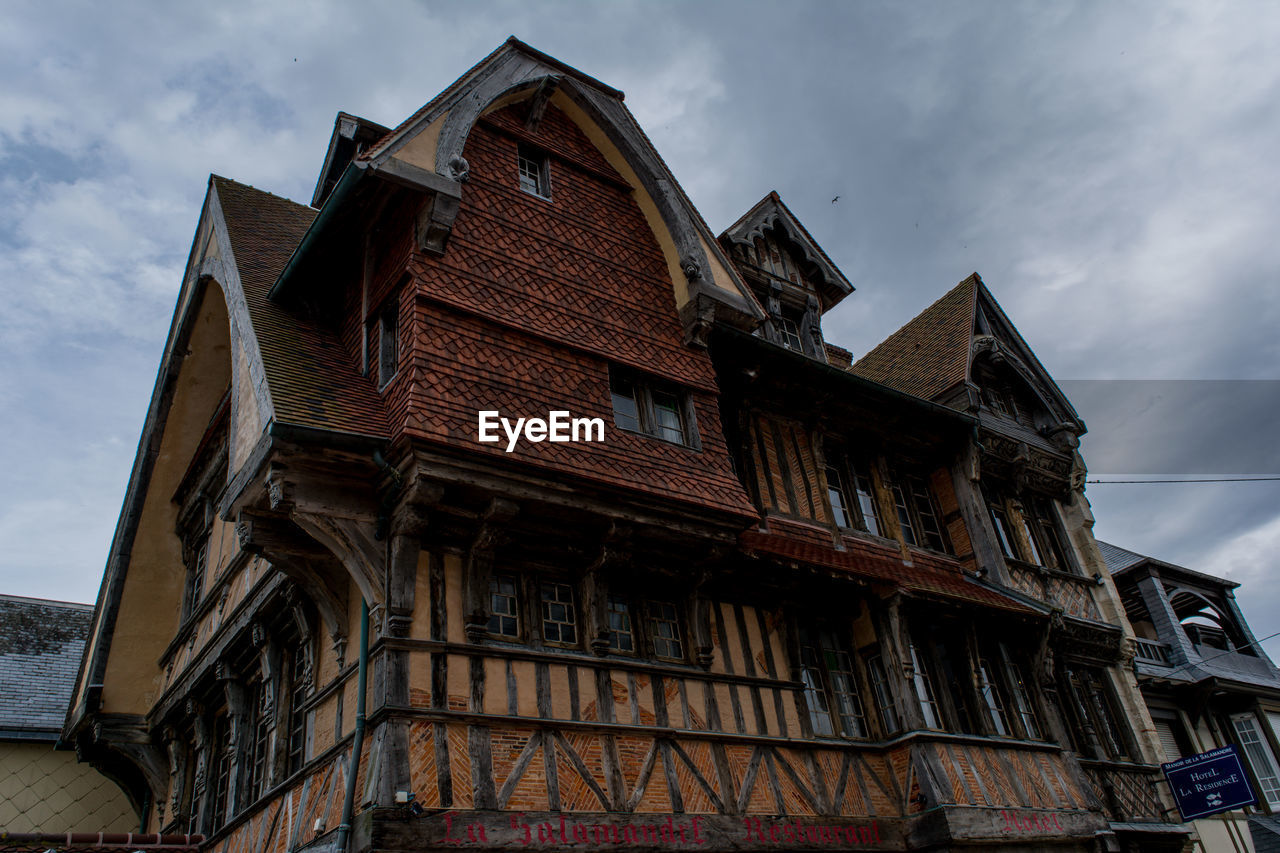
{"points": [[1000, 521], [922, 679], [622, 634], [1021, 694], [504, 606], [1044, 544], [788, 333], [856, 508], [664, 630], [220, 761], [917, 513], [650, 408], [199, 561], [1260, 757], [993, 697], [559, 615], [1042, 533], [388, 342], [297, 727], [1094, 710], [535, 176], [831, 691], [260, 734], [838, 496], [883, 693]]}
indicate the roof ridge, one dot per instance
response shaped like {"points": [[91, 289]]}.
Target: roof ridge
{"points": [[21, 599], [215, 177]]}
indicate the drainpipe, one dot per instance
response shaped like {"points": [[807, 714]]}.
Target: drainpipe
{"points": [[357, 745]]}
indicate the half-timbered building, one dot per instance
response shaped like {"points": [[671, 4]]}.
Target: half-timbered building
{"points": [[768, 599]]}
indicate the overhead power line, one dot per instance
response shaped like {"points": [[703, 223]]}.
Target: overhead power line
{"points": [[1202, 480]]}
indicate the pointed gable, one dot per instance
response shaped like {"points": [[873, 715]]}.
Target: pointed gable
{"points": [[425, 155], [966, 341], [928, 356], [769, 238]]}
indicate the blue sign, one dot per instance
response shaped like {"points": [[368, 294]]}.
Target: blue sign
{"points": [[1209, 783]]}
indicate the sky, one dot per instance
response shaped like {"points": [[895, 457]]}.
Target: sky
{"points": [[1109, 168]]}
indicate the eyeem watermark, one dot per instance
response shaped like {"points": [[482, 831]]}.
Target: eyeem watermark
{"points": [[557, 426]]}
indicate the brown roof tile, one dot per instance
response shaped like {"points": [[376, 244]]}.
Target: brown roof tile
{"points": [[931, 352], [312, 380]]}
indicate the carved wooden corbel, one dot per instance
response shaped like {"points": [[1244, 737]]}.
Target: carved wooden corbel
{"points": [[614, 556], [700, 607], [493, 532], [538, 103], [175, 750], [409, 523]]}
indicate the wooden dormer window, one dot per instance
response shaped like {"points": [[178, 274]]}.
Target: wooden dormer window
{"points": [[534, 171], [789, 333]]}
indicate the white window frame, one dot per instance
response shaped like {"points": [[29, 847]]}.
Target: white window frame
{"points": [[1262, 761]]}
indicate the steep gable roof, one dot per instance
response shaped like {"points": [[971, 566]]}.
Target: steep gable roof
{"points": [[930, 354], [312, 380], [771, 212], [933, 354], [40, 646]]}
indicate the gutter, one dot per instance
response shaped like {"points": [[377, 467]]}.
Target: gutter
{"points": [[394, 171], [850, 377], [357, 745], [351, 176]]}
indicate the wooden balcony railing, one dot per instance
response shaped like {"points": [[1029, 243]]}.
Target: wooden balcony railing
{"points": [[1130, 793], [1072, 593], [1149, 651]]}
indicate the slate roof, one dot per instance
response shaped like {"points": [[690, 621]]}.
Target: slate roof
{"points": [[929, 574], [929, 354], [1118, 559], [40, 647], [311, 378]]}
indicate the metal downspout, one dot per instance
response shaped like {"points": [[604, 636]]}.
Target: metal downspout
{"points": [[357, 745]]}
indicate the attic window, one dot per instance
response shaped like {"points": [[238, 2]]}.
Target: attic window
{"points": [[789, 334], [535, 176]]}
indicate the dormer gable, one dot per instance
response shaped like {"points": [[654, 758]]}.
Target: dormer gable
{"points": [[964, 352], [788, 273], [1007, 381], [352, 136]]}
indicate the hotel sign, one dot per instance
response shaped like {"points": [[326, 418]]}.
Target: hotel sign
{"points": [[1209, 783]]}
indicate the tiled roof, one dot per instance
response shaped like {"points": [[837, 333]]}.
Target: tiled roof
{"points": [[40, 646], [928, 574], [931, 352], [312, 379], [1118, 559]]}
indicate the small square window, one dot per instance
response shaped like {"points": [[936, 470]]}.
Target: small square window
{"points": [[504, 619], [559, 616], [535, 177]]}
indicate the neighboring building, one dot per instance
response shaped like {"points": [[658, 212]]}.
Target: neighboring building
{"points": [[43, 789], [776, 600], [1207, 682]]}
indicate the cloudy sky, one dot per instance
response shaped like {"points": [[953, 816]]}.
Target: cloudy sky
{"points": [[1109, 168]]}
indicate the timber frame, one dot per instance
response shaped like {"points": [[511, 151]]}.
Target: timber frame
{"points": [[806, 621]]}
